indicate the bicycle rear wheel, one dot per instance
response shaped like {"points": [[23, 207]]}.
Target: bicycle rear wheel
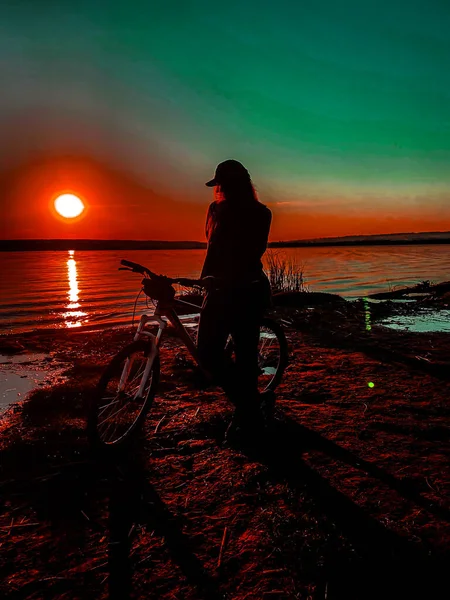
{"points": [[118, 410], [272, 354]]}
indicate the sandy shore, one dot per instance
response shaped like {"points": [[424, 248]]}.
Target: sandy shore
{"points": [[349, 499]]}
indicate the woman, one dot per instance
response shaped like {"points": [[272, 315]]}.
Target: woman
{"points": [[237, 229]]}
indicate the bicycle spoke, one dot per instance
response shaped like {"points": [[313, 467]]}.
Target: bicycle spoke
{"points": [[113, 415], [111, 423], [104, 436], [118, 410], [139, 374], [103, 408], [106, 430]]}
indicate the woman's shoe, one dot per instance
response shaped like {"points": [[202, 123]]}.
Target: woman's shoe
{"points": [[246, 429]]}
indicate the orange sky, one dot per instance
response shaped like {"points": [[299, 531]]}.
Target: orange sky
{"points": [[119, 207]]}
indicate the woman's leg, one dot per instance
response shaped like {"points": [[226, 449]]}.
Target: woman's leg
{"points": [[213, 331], [247, 315], [217, 320], [245, 334], [238, 314]]}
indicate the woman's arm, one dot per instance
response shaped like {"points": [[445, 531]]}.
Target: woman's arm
{"points": [[211, 234], [265, 230]]}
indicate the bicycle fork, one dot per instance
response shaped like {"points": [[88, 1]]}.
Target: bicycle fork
{"points": [[154, 345]]}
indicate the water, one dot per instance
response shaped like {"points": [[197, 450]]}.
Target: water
{"points": [[427, 321], [84, 289], [22, 374]]}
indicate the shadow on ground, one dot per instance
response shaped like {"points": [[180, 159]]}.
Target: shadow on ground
{"points": [[386, 564], [109, 504]]}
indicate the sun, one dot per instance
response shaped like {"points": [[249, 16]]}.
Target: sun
{"points": [[69, 206]]}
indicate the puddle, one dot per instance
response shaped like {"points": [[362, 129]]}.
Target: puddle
{"points": [[424, 322], [20, 374]]}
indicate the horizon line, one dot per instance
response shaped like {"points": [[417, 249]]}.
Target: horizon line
{"points": [[166, 241]]}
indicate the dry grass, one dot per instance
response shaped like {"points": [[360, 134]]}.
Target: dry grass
{"points": [[340, 502]]}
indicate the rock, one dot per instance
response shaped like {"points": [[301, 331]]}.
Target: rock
{"points": [[442, 288]]}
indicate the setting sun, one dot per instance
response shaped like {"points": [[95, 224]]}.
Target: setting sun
{"points": [[69, 206]]}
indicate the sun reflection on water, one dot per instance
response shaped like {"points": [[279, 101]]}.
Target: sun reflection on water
{"points": [[73, 317]]}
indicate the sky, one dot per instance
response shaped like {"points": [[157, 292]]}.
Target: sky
{"points": [[340, 111]]}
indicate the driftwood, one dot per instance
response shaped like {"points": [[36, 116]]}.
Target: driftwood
{"points": [[303, 299], [300, 299], [286, 299]]}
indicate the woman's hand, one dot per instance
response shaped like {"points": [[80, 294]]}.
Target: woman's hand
{"points": [[210, 283]]}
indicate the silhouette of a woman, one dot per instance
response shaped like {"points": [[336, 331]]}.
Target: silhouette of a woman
{"points": [[237, 229]]}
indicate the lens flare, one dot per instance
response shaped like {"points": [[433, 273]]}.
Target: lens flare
{"points": [[367, 314], [371, 384]]}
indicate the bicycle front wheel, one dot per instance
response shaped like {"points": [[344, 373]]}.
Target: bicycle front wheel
{"points": [[124, 396]]}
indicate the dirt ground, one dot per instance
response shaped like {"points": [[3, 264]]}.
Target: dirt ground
{"points": [[349, 497]]}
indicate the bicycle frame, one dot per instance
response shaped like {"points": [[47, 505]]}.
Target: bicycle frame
{"points": [[163, 316], [138, 377]]}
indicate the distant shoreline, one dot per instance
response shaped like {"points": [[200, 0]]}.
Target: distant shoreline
{"points": [[52, 245]]}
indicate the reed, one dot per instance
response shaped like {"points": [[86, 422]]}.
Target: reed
{"points": [[285, 274]]}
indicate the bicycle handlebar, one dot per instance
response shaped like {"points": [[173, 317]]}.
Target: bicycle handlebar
{"points": [[136, 267], [186, 281], [206, 282]]}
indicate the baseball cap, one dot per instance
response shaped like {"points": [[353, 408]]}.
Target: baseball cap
{"points": [[229, 170]]}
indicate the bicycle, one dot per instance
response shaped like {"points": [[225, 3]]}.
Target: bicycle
{"points": [[126, 389]]}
